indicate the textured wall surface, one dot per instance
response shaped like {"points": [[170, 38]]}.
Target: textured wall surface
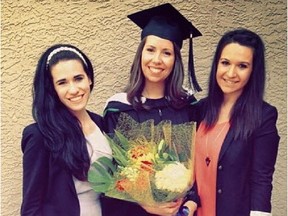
{"points": [[102, 30]]}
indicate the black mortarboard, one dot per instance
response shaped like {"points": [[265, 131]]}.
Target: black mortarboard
{"points": [[168, 23]]}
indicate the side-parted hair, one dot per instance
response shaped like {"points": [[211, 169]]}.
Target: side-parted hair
{"points": [[60, 128], [174, 91], [247, 111]]}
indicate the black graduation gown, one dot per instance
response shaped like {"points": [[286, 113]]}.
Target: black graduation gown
{"points": [[159, 110]]}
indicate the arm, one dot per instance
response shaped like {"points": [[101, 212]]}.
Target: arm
{"points": [[110, 116], [110, 121], [171, 208], [265, 147], [163, 209], [35, 171], [192, 200]]}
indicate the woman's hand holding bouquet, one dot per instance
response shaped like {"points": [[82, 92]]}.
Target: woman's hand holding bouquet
{"points": [[164, 209]]}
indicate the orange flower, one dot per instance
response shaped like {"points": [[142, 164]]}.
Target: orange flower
{"points": [[120, 184], [138, 151], [147, 165], [125, 185]]}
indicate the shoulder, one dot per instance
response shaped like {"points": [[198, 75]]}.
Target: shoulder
{"points": [[269, 112], [32, 136], [97, 119], [32, 130], [117, 103], [119, 97], [200, 106], [202, 101], [198, 103], [94, 116], [269, 120], [192, 100], [268, 108]]}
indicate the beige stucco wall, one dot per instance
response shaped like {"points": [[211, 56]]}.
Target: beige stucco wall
{"points": [[101, 29]]}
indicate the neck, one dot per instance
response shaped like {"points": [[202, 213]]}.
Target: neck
{"points": [[154, 91], [226, 108], [86, 122], [82, 116], [231, 98]]}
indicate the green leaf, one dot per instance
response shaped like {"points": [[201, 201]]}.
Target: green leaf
{"points": [[101, 188], [119, 154], [114, 146], [160, 146], [123, 140], [165, 156], [102, 171], [105, 161], [121, 161], [94, 177]]}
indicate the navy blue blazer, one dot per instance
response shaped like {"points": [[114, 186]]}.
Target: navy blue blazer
{"points": [[48, 188], [245, 169]]}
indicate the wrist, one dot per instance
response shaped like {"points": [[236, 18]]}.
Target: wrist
{"points": [[191, 205], [183, 211]]}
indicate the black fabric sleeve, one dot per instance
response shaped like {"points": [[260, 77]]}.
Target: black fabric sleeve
{"points": [[35, 171], [265, 148]]}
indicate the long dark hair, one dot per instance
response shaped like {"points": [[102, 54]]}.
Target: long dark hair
{"points": [[247, 111], [174, 91], [61, 129]]}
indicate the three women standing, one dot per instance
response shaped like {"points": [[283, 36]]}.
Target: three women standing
{"points": [[237, 140]]}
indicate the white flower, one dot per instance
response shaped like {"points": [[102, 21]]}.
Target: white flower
{"points": [[174, 177], [130, 172]]}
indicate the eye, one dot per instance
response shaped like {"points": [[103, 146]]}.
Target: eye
{"points": [[243, 66], [79, 78], [61, 82], [167, 53], [149, 49], [224, 62]]}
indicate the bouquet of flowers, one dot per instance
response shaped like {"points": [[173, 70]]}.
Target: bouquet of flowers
{"points": [[151, 163]]}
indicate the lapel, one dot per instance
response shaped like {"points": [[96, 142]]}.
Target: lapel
{"points": [[227, 142]]}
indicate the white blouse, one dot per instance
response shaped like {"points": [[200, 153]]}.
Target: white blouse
{"points": [[98, 146], [258, 213]]}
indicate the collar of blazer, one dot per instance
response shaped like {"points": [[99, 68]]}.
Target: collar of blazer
{"points": [[227, 142]]}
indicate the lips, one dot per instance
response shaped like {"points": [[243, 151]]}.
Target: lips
{"points": [[155, 70], [76, 99], [230, 81]]}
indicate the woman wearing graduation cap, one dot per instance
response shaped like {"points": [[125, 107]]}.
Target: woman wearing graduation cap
{"points": [[155, 88]]}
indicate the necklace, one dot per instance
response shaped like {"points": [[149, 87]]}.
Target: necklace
{"points": [[207, 159]]}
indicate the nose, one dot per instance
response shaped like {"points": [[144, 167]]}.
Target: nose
{"points": [[231, 71], [73, 89], [157, 58]]}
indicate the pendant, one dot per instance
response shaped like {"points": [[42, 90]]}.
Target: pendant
{"points": [[207, 161]]}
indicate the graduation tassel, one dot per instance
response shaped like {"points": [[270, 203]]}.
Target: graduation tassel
{"points": [[191, 71]]}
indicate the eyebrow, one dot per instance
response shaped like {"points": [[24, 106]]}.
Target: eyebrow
{"points": [[60, 80], [64, 79], [242, 62], [165, 49], [79, 75]]}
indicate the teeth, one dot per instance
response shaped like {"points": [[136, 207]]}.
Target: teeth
{"points": [[231, 82], [76, 98], [156, 70]]}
